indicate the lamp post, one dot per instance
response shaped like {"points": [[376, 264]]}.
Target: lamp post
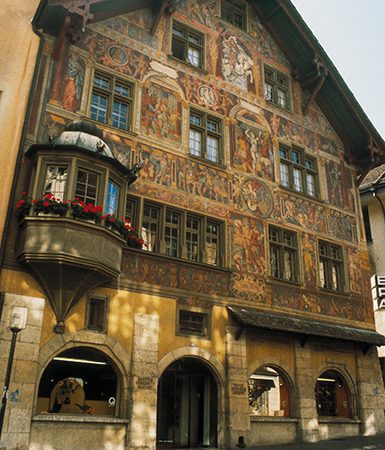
{"points": [[17, 323]]}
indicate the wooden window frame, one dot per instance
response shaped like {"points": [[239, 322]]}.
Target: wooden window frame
{"points": [[279, 82], [206, 133], [187, 44], [206, 323], [306, 166], [202, 254], [328, 261], [230, 8], [282, 247], [112, 96], [88, 325]]}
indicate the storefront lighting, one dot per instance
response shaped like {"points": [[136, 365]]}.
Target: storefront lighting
{"points": [[82, 361], [326, 379]]}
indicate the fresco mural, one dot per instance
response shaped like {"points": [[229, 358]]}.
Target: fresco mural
{"points": [[161, 113], [355, 276], [256, 198], [253, 151], [149, 269], [303, 213], [339, 183], [236, 63], [286, 297], [309, 249], [73, 82], [338, 306], [342, 226], [249, 287]]}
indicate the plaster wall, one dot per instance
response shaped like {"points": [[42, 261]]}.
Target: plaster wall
{"points": [[18, 50]]}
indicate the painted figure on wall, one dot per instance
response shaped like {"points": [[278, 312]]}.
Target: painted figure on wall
{"points": [[236, 63], [74, 80], [161, 114], [253, 151]]}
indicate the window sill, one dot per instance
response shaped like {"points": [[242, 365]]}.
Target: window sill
{"points": [[285, 282], [278, 419], [208, 162], [187, 64], [302, 195], [180, 260], [338, 420], [77, 418], [281, 108], [336, 293]]}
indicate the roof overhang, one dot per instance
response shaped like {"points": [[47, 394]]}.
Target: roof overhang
{"points": [[303, 328]]}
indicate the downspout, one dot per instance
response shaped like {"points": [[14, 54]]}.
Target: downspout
{"points": [[11, 202]]}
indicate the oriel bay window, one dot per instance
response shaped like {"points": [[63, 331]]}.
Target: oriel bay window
{"points": [[55, 180], [298, 171], [205, 136], [87, 186], [283, 254], [111, 101], [331, 273], [187, 44], [177, 233]]}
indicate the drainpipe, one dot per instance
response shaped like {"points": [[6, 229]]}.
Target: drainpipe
{"points": [[10, 210]]}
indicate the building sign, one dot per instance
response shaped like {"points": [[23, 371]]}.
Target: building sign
{"points": [[378, 290]]}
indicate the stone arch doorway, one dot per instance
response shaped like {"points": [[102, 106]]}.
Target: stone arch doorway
{"points": [[187, 413]]}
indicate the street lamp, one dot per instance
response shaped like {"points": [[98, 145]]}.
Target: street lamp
{"points": [[17, 323]]}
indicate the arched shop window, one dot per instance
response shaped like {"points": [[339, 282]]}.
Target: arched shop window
{"points": [[80, 380], [269, 393], [332, 395]]}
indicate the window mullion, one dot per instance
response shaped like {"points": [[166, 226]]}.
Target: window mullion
{"points": [[162, 228]]}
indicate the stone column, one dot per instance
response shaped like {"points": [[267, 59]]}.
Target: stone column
{"points": [[305, 398], [20, 403], [144, 378], [238, 422], [370, 388]]}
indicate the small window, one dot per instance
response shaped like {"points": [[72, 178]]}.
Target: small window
{"points": [[111, 101], [277, 88], [132, 210], [298, 171], [368, 231], [269, 393], [80, 380], [150, 227], [193, 323], [283, 254], [331, 265], [87, 186], [205, 136], [55, 180], [96, 314], [112, 197], [332, 395], [234, 12], [188, 45]]}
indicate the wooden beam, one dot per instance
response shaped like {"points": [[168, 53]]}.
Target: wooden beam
{"points": [[314, 93], [164, 5]]}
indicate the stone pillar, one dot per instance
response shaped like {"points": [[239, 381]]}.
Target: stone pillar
{"points": [[305, 398], [370, 388], [144, 378], [20, 403], [238, 422]]}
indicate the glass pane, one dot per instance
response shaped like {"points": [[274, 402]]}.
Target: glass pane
{"points": [[120, 115], [281, 98], [336, 277], [195, 119], [288, 265], [102, 82], [192, 238], [273, 235], [269, 92], [172, 233], [297, 180], [178, 49], [195, 39], [274, 262], [310, 184], [212, 149], [296, 156], [194, 56], [212, 125], [131, 210], [322, 274], [212, 240], [112, 197], [196, 142], [99, 107], [55, 181], [150, 228], [283, 153], [178, 31], [122, 89], [285, 177], [87, 186]]}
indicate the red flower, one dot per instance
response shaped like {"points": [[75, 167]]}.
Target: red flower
{"points": [[112, 219], [46, 204], [24, 193], [34, 201], [103, 217]]}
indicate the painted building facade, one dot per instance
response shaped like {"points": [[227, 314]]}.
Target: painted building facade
{"points": [[234, 303]]}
